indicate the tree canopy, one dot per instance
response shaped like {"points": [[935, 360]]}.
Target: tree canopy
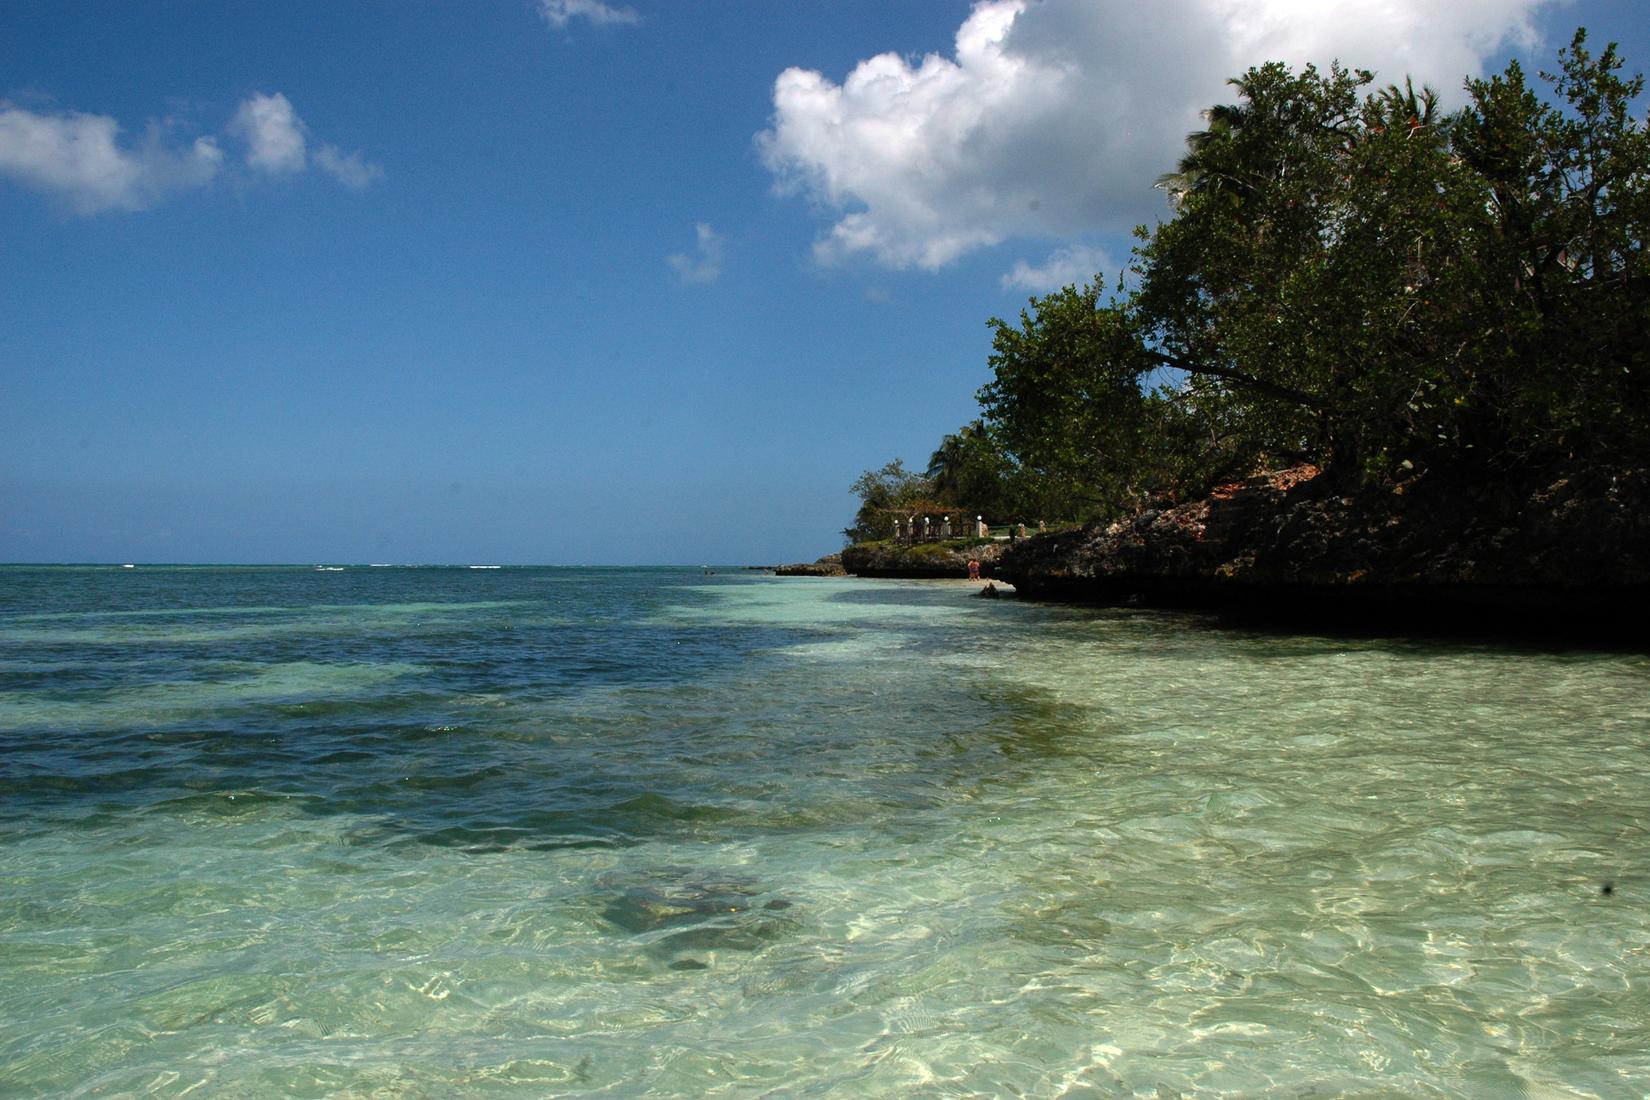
{"points": [[1349, 277], [1355, 279], [881, 494]]}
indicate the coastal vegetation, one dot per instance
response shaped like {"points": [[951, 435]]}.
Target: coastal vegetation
{"points": [[1351, 278]]}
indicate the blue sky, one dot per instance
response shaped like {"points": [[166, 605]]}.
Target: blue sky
{"points": [[570, 282]]}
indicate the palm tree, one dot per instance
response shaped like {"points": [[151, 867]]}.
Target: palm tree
{"points": [[1196, 173], [1397, 107], [945, 465], [1250, 143]]}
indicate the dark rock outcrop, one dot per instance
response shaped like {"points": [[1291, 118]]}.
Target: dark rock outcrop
{"points": [[922, 559], [828, 566], [1544, 551]]}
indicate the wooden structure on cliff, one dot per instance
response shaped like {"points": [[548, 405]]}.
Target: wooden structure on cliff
{"points": [[929, 521]]}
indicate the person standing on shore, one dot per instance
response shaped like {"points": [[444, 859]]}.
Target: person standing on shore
{"points": [[973, 569]]}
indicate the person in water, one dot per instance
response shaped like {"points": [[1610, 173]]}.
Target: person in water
{"points": [[973, 569]]}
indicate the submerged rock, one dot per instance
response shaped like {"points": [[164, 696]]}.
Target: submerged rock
{"points": [[685, 920]]}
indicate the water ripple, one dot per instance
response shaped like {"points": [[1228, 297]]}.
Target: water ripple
{"points": [[529, 832]]}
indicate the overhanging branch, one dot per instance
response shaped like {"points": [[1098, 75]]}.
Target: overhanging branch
{"points": [[1231, 374]]}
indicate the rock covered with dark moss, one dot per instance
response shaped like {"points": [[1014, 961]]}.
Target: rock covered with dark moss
{"points": [[828, 566], [1541, 550], [922, 559]]}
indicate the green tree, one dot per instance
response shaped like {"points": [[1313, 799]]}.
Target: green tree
{"points": [[1231, 289], [1562, 244], [881, 493], [1353, 278], [1065, 400], [970, 471], [973, 471]]}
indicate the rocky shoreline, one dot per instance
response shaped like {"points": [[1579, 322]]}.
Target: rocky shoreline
{"points": [[828, 566], [1545, 553], [1549, 554], [923, 559]]}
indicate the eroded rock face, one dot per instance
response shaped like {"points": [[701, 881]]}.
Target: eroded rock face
{"points": [[1431, 552]]}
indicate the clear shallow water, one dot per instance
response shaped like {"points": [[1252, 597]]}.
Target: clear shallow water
{"points": [[426, 833]]}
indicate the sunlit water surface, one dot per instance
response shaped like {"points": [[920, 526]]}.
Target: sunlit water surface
{"points": [[533, 832]]}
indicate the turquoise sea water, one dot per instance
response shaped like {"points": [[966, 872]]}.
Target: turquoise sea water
{"points": [[535, 832]]}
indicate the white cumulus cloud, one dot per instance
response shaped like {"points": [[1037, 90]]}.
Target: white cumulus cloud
{"points": [[1070, 266], [80, 162], [77, 160], [273, 133], [705, 264], [1053, 117], [559, 13], [277, 142], [351, 170]]}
